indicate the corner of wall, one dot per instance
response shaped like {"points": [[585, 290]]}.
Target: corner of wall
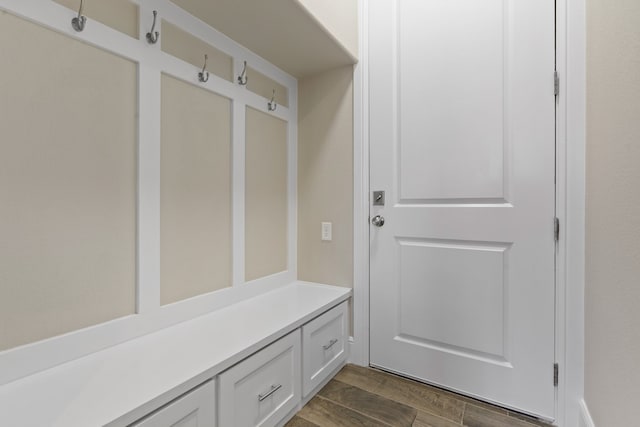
{"points": [[325, 177], [339, 20], [585, 417]]}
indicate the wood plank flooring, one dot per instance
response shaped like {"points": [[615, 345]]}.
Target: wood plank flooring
{"points": [[360, 396]]}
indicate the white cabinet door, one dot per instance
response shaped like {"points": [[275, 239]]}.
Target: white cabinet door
{"points": [[324, 346], [194, 409], [462, 125], [262, 389]]}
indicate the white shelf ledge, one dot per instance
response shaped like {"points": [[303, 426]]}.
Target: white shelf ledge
{"points": [[284, 32]]}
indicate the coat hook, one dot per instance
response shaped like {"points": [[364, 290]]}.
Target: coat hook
{"points": [[272, 104], [78, 22], [203, 75], [152, 37], [242, 78]]}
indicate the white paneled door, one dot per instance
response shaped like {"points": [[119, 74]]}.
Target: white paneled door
{"points": [[462, 140]]}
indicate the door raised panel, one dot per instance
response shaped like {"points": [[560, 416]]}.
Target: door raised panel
{"points": [[452, 98], [461, 289]]}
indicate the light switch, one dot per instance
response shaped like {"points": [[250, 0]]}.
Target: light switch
{"points": [[326, 231]]}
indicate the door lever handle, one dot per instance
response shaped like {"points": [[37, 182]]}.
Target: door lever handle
{"points": [[377, 220]]}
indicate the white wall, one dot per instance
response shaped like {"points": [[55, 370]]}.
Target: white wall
{"points": [[612, 307]]}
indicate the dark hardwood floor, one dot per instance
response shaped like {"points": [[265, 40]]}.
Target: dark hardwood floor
{"points": [[368, 397]]}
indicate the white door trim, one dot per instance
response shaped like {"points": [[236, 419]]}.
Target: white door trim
{"points": [[359, 353], [570, 190], [570, 185]]}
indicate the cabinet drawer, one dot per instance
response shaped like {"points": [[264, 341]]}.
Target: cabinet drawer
{"points": [[324, 341], [262, 389], [194, 409]]}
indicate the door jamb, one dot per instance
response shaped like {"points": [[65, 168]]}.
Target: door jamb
{"points": [[359, 353], [570, 204], [570, 207]]}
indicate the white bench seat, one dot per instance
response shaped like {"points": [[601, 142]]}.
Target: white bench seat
{"points": [[121, 384]]}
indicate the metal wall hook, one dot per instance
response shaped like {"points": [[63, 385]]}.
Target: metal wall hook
{"points": [[203, 75], [78, 22], [272, 104], [242, 78], [152, 37]]}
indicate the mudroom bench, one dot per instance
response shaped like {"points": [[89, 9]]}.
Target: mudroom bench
{"points": [[252, 363]]}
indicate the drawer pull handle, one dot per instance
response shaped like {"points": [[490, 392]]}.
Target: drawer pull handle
{"points": [[274, 388], [331, 344]]}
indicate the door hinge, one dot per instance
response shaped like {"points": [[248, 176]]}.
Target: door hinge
{"points": [[555, 374], [556, 229], [556, 84]]}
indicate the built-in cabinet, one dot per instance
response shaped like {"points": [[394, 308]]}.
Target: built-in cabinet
{"points": [[323, 348], [262, 389], [243, 365], [194, 409], [266, 388]]}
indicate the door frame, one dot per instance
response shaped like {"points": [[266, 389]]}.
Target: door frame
{"points": [[570, 205]]}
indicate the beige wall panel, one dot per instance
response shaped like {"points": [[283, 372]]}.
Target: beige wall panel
{"points": [[266, 195], [191, 49], [67, 184], [612, 314], [325, 176], [264, 86], [195, 194], [119, 14]]}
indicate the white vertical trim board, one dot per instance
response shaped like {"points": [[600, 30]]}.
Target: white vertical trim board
{"points": [[359, 343], [149, 113], [152, 63], [148, 286], [570, 188], [292, 187], [238, 182], [571, 145]]}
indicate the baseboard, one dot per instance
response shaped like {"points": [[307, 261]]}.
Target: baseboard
{"points": [[355, 353], [585, 416], [289, 416], [319, 387]]}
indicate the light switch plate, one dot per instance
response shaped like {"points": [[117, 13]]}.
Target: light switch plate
{"points": [[326, 231]]}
